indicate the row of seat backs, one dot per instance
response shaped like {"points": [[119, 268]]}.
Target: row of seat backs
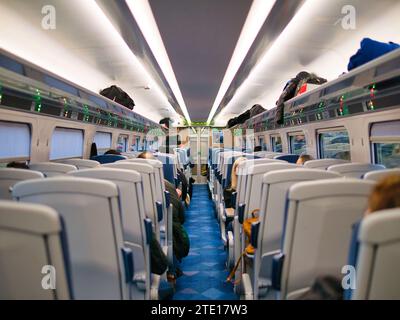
{"points": [[183, 156], [99, 261]]}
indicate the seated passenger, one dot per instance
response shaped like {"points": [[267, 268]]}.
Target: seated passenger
{"points": [[17, 165], [233, 185], [385, 195], [303, 159], [180, 247]]}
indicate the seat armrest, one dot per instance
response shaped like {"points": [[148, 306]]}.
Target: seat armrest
{"points": [[277, 265], [127, 257], [241, 208]]}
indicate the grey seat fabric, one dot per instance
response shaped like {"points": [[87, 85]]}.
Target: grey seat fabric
{"points": [[380, 174], [148, 181], [52, 169], [90, 210], [10, 176], [81, 163], [355, 170], [378, 263], [275, 186], [317, 233], [31, 253], [323, 164], [133, 217]]}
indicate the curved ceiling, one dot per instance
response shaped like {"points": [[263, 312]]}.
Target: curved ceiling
{"points": [[200, 37]]}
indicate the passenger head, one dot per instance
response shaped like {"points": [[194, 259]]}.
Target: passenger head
{"points": [[385, 195], [303, 159], [146, 155], [112, 151], [18, 165], [234, 174]]}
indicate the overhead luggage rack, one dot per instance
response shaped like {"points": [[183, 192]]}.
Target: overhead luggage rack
{"points": [[57, 99], [372, 87]]}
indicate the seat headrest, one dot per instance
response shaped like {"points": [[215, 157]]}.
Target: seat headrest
{"points": [[66, 184], [29, 217], [109, 174]]}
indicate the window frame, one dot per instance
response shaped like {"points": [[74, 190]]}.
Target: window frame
{"points": [[29, 126], [273, 138], [292, 135], [82, 131], [326, 130], [111, 139], [375, 140]]}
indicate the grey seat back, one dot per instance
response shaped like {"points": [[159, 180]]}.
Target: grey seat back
{"points": [[133, 216], [318, 228], [378, 263], [81, 163], [147, 173], [10, 176], [90, 210], [31, 249], [355, 170], [275, 187], [381, 174], [254, 182], [323, 164], [52, 169], [243, 174]]}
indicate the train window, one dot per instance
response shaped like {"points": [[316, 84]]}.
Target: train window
{"points": [[262, 143], [66, 143], [122, 143], [334, 144], [297, 143], [137, 143], [103, 141], [387, 154], [276, 143], [385, 138], [15, 142]]}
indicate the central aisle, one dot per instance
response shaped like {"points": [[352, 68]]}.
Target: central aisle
{"points": [[204, 267]]}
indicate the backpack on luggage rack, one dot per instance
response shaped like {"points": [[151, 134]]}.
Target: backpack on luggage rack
{"points": [[118, 95]]}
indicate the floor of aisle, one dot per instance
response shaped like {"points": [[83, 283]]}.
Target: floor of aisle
{"points": [[204, 268]]}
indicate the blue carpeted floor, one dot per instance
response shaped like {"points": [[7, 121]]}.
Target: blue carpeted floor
{"points": [[204, 268]]}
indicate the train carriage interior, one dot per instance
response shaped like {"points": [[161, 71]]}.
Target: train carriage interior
{"points": [[199, 150]]}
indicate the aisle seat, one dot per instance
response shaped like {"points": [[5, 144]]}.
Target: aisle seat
{"points": [[133, 217], [275, 186], [377, 258], [32, 238], [318, 224], [101, 266]]}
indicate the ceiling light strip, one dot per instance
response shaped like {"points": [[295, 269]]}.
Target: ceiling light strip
{"points": [[258, 13], [144, 17]]}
